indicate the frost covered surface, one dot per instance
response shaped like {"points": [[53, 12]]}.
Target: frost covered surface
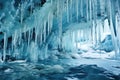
{"points": [[76, 69]]}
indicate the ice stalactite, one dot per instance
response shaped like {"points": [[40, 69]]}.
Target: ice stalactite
{"points": [[77, 9], [81, 8], [41, 36], [59, 10], [5, 46], [50, 23], [14, 41], [118, 30], [112, 20], [44, 31], [90, 9], [87, 12], [71, 9], [29, 37], [67, 3], [118, 23], [22, 36], [94, 14], [36, 35], [63, 13], [99, 32]]}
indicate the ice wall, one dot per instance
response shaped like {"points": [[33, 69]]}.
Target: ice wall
{"points": [[43, 23]]}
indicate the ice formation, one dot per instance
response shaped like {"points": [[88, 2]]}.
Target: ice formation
{"points": [[30, 29], [37, 30]]}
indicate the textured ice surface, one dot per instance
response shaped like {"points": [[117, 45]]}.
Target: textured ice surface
{"points": [[59, 36], [61, 25], [78, 69]]}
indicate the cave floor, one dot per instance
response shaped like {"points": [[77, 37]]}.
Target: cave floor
{"points": [[61, 69]]}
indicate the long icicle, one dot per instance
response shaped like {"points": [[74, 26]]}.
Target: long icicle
{"points": [[77, 9], [5, 46], [110, 8], [68, 11]]}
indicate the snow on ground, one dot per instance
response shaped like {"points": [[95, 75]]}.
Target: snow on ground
{"points": [[110, 65], [98, 54], [100, 58], [91, 53]]}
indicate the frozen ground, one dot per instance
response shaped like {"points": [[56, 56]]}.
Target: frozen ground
{"points": [[62, 69], [85, 64]]}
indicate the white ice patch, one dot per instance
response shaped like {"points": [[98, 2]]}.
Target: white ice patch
{"points": [[98, 54], [52, 69], [73, 78], [8, 70]]}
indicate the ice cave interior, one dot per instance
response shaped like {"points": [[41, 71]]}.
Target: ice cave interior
{"points": [[59, 39]]}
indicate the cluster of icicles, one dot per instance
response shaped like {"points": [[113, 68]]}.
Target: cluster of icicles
{"points": [[30, 42]]}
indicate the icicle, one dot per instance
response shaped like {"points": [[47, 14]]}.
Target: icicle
{"points": [[91, 36], [48, 28], [87, 14], [29, 33], [118, 30], [94, 20], [112, 26], [51, 1], [71, 9], [44, 31], [36, 35], [41, 36], [58, 7], [14, 40], [68, 11], [77, 12], [102, 7], [20, 37], [46, 51], [94, 33], [21, 16], [81, 7], [60, 26], [51, 22], [99, 32], [5, 46], [90, 9]]}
